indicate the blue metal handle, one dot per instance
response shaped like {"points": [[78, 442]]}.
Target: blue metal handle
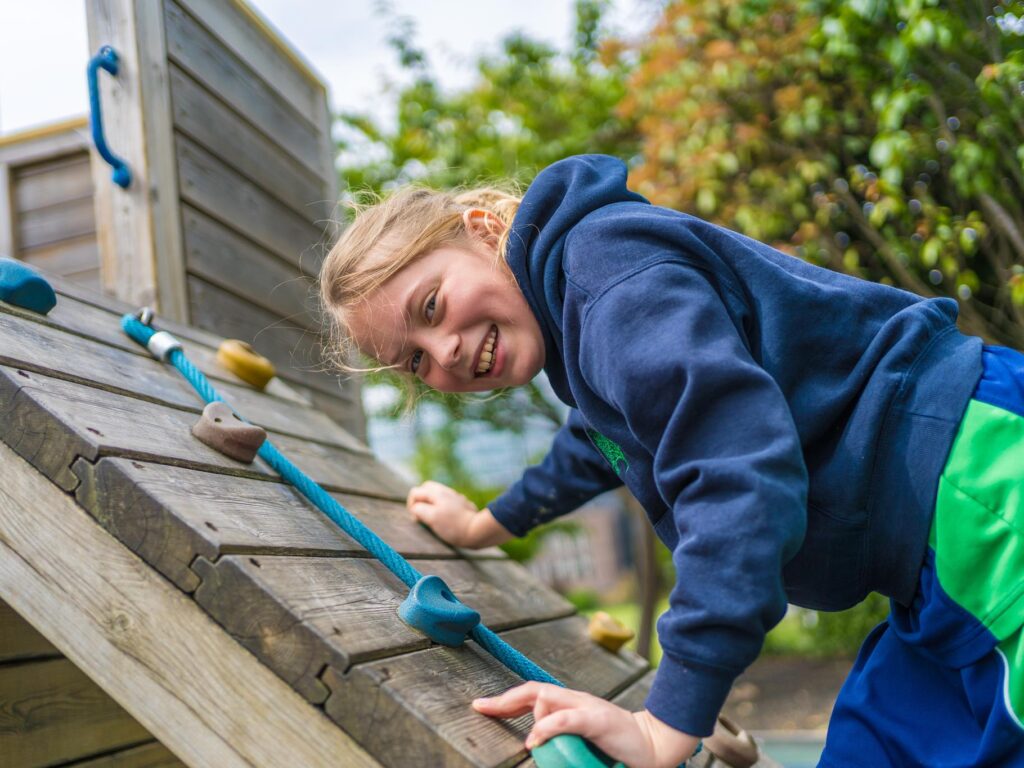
{"points": [[106, 60]]}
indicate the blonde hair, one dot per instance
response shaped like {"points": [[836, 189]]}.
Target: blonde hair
{"points": [[385, 235]]}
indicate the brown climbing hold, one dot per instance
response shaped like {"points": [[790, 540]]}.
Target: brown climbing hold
{"points": [[732, 745], [223, 431], [609, 632]]}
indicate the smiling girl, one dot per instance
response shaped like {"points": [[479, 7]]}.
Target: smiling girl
{"points": [[793, 434]]}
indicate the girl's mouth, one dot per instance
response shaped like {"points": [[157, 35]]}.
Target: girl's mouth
{"points": [[488, 356]]}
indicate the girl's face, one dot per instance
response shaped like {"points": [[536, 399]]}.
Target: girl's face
{"points": [[454, 317]]}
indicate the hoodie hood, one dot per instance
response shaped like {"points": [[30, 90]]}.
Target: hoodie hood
{"points": [[558, 199]]}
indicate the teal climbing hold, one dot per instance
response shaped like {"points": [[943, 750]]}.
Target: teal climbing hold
{"points": [[571, 751], [434, 610], [23, 287]]}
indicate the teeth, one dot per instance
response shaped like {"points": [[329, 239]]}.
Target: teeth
{"points": [[487, 356]]}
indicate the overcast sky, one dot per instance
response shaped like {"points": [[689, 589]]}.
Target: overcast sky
{"points": [[44, 50]]}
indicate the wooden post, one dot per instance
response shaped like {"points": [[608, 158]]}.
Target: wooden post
{"points": [[138, 228], [6, 213]]}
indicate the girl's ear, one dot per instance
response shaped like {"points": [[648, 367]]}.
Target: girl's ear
{"points": [[484, 225]]}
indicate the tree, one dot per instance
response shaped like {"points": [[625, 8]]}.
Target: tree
{"points": [[882, 138]]}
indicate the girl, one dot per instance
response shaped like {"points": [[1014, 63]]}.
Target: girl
{"points": [[793, 434]]}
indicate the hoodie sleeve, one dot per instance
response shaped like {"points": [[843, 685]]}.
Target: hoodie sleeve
{"points": [[660, 348], [570, 475]]}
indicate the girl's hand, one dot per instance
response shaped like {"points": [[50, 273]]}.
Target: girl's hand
{"points": [[453, 517], [634, 738]]}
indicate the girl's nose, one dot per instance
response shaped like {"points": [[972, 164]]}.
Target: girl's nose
{"points": [[450, 352]]}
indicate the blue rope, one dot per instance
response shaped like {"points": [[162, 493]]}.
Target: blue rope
{"points": [[376, 546]]}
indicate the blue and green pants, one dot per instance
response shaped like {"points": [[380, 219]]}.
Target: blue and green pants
{"points": [[940, 683]]}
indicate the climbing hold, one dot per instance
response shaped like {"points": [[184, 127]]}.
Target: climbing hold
{"points": [[732, 745], [223, 431], [23, 287], [434, 610], [243, 361], [609, 632], [571, 751]]}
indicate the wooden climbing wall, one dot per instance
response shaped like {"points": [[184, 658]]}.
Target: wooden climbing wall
{"points": [[101, 420], [227, 133]]}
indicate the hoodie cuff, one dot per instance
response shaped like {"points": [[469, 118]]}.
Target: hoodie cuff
{"points": [[504, 510], [688, 697]]}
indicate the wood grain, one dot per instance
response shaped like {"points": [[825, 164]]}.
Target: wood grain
{"points": [[148, 645], [415, 708], [19, 640], [52, 713], [52, 422], [60, 180], [171, 515], [298, 614], [151, 755]]}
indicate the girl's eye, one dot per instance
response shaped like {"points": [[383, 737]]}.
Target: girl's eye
{"points": [[414, 362], [429, 312]]}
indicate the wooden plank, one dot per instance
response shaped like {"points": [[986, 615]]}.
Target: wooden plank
{"points": [[54, 713], [199, 53], [415, 708], [94, 322], [7, 243], [65, 258], [57, 181], [148, 645], [296, 352], [19, 640], [151, 755], [52, 422], [169, 516], [41, 348], [299, 613], [46, 143], [227, 136], [260, 52], [124, 217], [219, 256], [162, 171], [55, 223], [214, 188]]}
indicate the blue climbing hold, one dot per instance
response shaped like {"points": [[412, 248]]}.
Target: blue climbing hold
{"points": [[23, 287], [434, 610]]}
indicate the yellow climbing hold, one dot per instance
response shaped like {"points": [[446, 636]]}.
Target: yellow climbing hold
{"points": [[243, 361], [609, 632]]}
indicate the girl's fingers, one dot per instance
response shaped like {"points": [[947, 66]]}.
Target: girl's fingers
{"points": [[578, 721], [422, 511], [527, 698]]}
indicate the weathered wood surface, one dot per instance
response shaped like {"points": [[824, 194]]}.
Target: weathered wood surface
{"points": [[211, 186], [245, 149], [138, 228], [262, 50], [51, 712], [171, 515], [37, 347], [19, 640], [83, 318], [149, 646], [151, 755], [7, 226], [66, 137], [202, 345], [51, 422], [298, 614], [61, 180], [415, 709], [55, 223], [286, 343], [220, 256], [205, 58], [68, 258]]}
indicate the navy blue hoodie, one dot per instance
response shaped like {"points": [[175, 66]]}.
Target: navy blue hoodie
{"points": [[784, 426]]}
